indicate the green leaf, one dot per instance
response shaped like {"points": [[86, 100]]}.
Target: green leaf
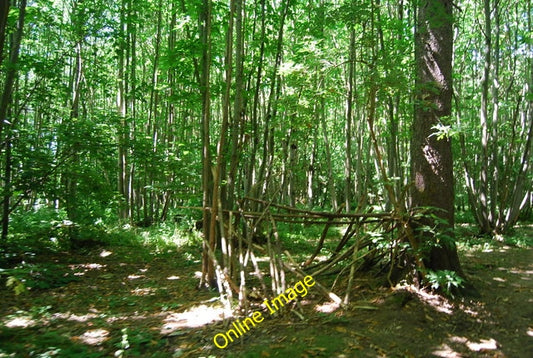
{"points": [[17, 285]]}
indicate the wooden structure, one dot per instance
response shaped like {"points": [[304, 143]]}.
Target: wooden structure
{"points": [[368, 238]]}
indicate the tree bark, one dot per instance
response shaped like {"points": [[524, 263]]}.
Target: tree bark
{"points": [[208, 269], [238, 105], [432, 165], [348, 125], [4, 11], [12, 70], [7, 192], [485, 215], [265, 170], [5, 106], [122, 174]]}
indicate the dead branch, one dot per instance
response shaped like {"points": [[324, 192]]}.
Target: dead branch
{"points": [[327, 293]]}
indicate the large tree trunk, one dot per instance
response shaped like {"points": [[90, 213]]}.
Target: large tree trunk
{"points": [[432, 166]]}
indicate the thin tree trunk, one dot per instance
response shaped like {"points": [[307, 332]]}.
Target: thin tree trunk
{"points": [[348, 125], [7, 192], [331, 178], [72, 178], [131, 59], [123, 130], [483, 194], [265, 169], [238, 105], [218, 197], [208, 269], [494, 149], [311, 172], [151, 130], [12, 68], [4, 11], [252, 190], [5, 106]]}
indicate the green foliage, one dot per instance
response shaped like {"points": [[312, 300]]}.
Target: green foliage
{"points": [[443, 131], [434, 229], [138, 343], [471, 240], [301, 239], [519, 239], [36, 276], [42, 228], [16, 284], [49, 229], [84, 172], [13, 341], [444, 280]]}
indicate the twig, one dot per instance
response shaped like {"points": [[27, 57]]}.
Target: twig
{"points": [[332, 296]]}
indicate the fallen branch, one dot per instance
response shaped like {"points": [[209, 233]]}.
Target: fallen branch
{"points": [[332, 296]]}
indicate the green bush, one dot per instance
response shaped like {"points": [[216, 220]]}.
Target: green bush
{"points": [[45, 227]]}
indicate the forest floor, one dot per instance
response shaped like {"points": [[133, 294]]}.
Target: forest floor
{"points": [[123, 302]]}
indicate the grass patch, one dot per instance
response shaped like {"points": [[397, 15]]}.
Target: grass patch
{"points": [[520, 236], [300, 240], [39, 343], [468, 239]]}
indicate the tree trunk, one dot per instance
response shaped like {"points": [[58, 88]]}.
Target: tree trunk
{"points": [[432, 165], [310, 182], [4, 11], [251, 188], [71, 180], [238, 106], [348, 125], [485, 215], [208, 269], [12, 70], [7, 192], [5, 106], [265, 170], [122, 174], [321, 117]]}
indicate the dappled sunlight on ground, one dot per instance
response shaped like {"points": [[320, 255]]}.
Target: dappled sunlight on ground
{"points": [[327, 307], [445, 351], [144, 291], [82, 269], [134, 277], [483, 345], [438, 302], [156, 301], [93, 337], [87, 267], [20, 322], [194, 317], [74, 317], [526, 273], [106, 253]]}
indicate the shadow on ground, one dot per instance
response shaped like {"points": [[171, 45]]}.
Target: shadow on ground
{"points": [[113, 302]]}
